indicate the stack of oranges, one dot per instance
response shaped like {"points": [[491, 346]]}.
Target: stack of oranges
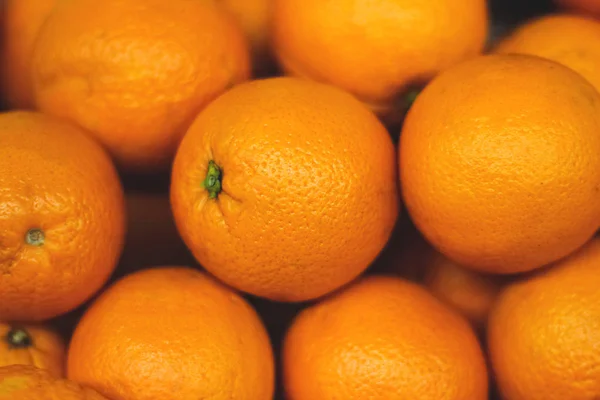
{"points": [[364, 199]]}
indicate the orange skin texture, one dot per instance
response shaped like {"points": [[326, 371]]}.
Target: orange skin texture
{"points": [[26, 382], [570, 40], [53, 177], [172, 333], [22, 22], [308, 195], [590, 7], [381, 339], [135, 73], [376, 49], [469, 292], [544, 331], [46, 349], [499, 163]]}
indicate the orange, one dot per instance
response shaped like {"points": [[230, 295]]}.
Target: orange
{"points": [[544, 332], [383, 339], [376, 49], [22, 22], [591, 7], [254, 16], [35, 345], [469, 292], [567, 39], [172, 333], [136, 72], [285, 188], [499, 162], [25, 382], [61, 217]]}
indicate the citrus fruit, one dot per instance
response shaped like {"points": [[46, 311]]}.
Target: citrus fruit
{"points": [[469, 292], [376, 49], [172, 333], [22, 20], [136, 72], [35, 345], [26, 382], [591, 7], [285, 188], [571, 40], [61, 217], [383, 338], [544, 331], [499, 162]]}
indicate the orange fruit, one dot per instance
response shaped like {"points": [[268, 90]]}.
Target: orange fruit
{"points": [[376, 49], [499, 162], [285, 188], [136, 72], [469, 292], [26, 382], [544, 331], [383, 339], [591, 7], [172, 333], [254, 16], [567, 39], [61, 220], [35, 345], [21, 24]]}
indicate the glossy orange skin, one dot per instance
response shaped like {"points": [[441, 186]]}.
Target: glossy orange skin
{"points": [[376, 49], [138, 83], [21, 24], [26, 382], [46, 349], [570, 40], [308, 195], [53, 177], [499, 162], [172, 333], [383, 339], [590, 7], [544, 332]]}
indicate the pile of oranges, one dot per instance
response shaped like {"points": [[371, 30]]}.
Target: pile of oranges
{"points": [[298, 199]]}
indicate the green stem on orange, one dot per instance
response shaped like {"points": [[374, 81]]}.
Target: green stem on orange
{"points": [[18, 338], [212, 182], [35, 237]]}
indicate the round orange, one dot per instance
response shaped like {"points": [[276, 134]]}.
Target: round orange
{"points": [[590, 7], [26, 382], [499, 162], [383, 339], [376, 49], [172, 333], [22, 21], [61, 217], [136, 72], [544, 331], [285, 188], [567, 39], [35, 345], [469, 292]]}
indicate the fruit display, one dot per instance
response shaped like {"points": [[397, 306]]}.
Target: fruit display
{"points": [[299, 199]]}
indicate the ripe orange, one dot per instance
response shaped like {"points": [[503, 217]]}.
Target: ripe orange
{"points": [[591, 7], [383, 339], [376, 49], [26, 382], [499, 162], [172, 333], [35, 345], [136, 72], [567, 39], [61, 217], [544, 332], [22, 19], [469, 292], [285, 188]]}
